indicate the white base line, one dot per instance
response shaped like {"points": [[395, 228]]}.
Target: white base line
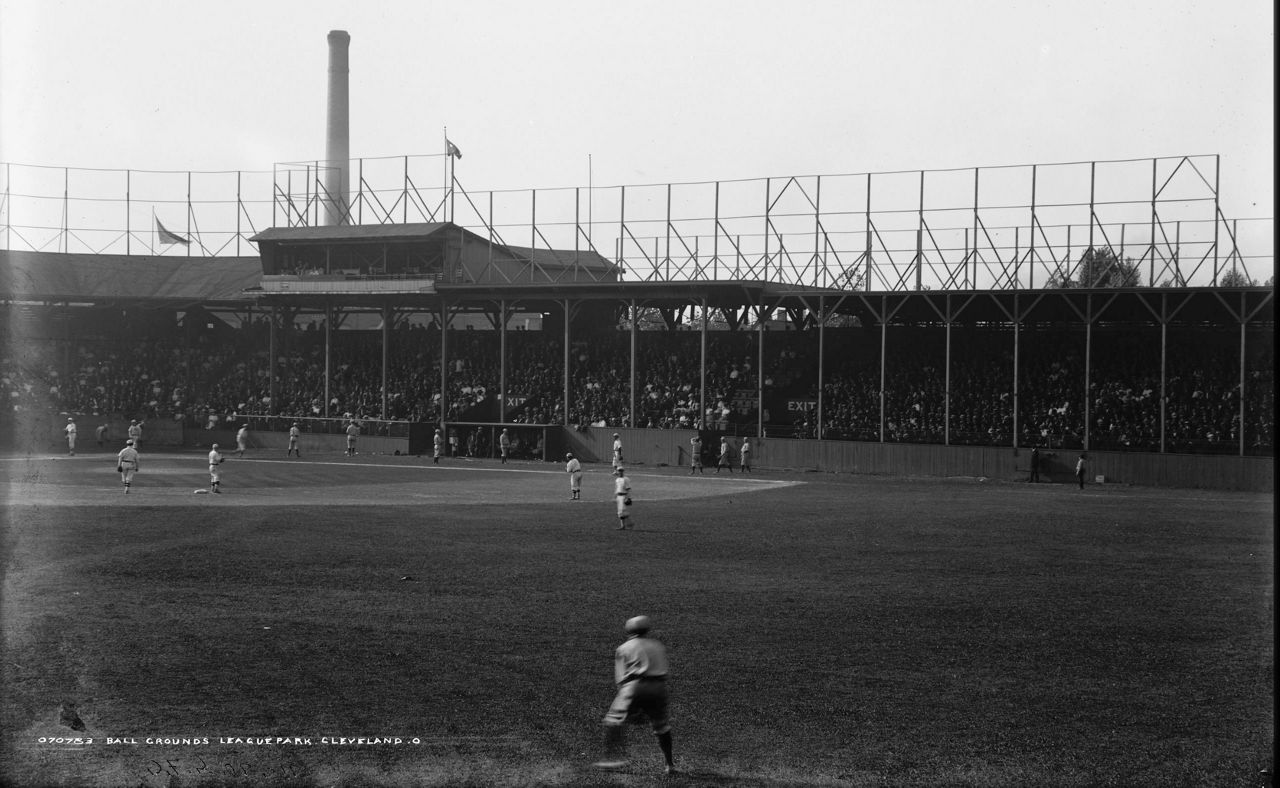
{"points": [[487, 469]]}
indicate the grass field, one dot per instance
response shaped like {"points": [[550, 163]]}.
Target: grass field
{"points": [[823, 630]]}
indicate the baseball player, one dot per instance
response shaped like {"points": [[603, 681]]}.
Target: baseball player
{"points": [[294, 434], [725, 459], [101, 434], [215, 478], [695, 455], [622, 493], [352, 432], [135, 434], [640, 671], [1080, 471], [127, 464], [617, 450], [574, 469], [437, 447], [744, 455], [71, 436], [504, 445], [242, 437]]}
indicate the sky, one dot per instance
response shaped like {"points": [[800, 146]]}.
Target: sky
{"points": [[552, 94]]}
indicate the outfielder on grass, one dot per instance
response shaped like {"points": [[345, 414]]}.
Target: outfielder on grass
{"points": [[622, 494], [127, 464], [574, 469], [640, 671]]}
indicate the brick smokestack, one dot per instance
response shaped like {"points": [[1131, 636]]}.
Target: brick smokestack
{"points": [[337, 132]]}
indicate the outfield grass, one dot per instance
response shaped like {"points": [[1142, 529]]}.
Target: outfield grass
{"points": [[823, 630]]}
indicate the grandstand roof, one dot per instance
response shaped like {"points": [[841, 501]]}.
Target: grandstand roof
{"points": [[352, 232], [476, 252], [120, 279]]}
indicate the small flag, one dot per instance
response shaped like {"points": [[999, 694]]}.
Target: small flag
{"points": [[453, 149], [169, 237]]}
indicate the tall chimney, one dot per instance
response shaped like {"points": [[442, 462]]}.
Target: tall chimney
{"points": [[337, 132]]}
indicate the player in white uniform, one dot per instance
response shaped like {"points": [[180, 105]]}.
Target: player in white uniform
{"points": [[135, 434], [640, 671], [574, 469], [437, 447], [622, 493], [725, 460], [352, 432], [71, 436], [504, 445], [215, 478], [695, 455], [294, 434], [744, 455], [242, 438], [127, 464], [617, 450]]}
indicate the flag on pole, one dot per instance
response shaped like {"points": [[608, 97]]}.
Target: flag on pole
{"points": [[168, 237], [453, 150]]}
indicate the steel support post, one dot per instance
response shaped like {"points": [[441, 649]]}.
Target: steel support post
{"points": [[715, 238], [1243, 323], [444, 367], [386, 352], [817, 228], [1088, 363], [946, 381], [920, 237], [867, 256], [822, 326], [1164, 365], [239, 212], [974, 255], [1093, 168], [272, 353], [566, 362], [1151, 277], [328, 353], [1217, 177], [760, 368], [66, 213], [635, 422], [884, 328], [1031, 245], [667, 258], [502, 361], [768, 185], [702, 368], [1017, 330]]}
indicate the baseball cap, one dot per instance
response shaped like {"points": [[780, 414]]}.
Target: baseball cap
{"points": [[639, 624], [129, 442]]}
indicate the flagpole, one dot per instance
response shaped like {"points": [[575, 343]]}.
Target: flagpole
{"points": [[448, 173]]}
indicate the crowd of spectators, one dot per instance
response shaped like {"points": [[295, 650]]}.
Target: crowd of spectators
{"points": [[207, 382]]}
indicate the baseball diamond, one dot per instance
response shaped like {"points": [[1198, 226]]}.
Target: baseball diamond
{"points": [[395, 598]]}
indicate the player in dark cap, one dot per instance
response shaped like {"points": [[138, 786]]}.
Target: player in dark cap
{"points": [[640, 671]]}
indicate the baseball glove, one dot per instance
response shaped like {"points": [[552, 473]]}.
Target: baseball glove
{"points": [[627, 501], [119, 469]]}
